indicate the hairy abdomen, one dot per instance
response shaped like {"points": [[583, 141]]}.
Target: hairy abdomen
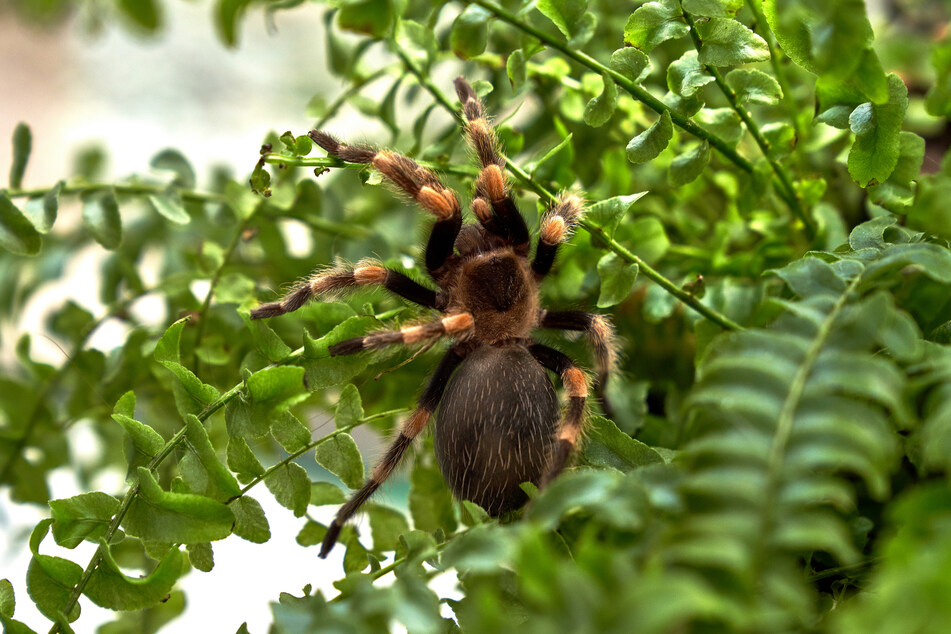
{"points": [[495, 427]]}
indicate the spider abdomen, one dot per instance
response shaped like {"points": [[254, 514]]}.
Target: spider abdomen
{"points": [[495, 427]]}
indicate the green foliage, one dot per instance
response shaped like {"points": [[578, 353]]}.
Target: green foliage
{"points": [[773, 454]]}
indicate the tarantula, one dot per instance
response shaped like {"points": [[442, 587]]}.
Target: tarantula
{"points": [[498, 421]]}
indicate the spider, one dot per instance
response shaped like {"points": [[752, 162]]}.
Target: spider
{"points": [[498, 423]]}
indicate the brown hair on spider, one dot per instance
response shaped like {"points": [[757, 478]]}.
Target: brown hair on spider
{"points": [[497, 416]]}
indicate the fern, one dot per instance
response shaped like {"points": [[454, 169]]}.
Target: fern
{"points": [[790, 422]]}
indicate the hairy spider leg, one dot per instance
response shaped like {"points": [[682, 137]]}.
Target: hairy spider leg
{"points": [[492, 190], [408, 431], [572, 419], [417, 181], [555, 228], [330, 281], [450, 326], [600, 334]]}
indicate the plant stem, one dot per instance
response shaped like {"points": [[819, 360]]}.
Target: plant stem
{"points": [[775, 60], [134, 189], [648, 271], [789, 193], [329, 161], [635, 90]]}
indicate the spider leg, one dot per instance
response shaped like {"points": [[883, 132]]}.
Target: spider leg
{"points": [[408, 431], [600, 335], [492, 191], [450, 326], [333, 281], [572, 420], [556, 227], [417, 181]]}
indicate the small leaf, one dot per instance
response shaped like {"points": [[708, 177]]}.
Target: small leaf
{"points": [[201, 468], [781, 137], [17, 234], [144, 13], [713, 8], [201, 556], [600, 109], [177, 518], [312, 534], [109, 588], [340, 456], [417, 41], [101, 217], [515, 69], [276, 385], [938, 99], [723, 123], [7, 600], [82, 517], [386, 526], [349, 407], [730, 43], [146, 442], [877, 129], [372, 17], [631, 62], [322, 493], [898, 192], [250, 522], [686, 76], [290, 485], [292, 434], [654, 23], [41, 210], [651, 142], [173, 161], [242, 460], [170, 206], [608, 446], [754, 86], [607, 214], [22, 145], [50, 580], [617, 279], [565, 14], [322, 370], [470, 32], [687, 167]]}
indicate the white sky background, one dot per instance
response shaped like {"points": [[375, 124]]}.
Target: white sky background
{"points": [[137, 97]]}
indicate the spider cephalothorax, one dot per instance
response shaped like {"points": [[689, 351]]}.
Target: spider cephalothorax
{"points": [[498, 423]]}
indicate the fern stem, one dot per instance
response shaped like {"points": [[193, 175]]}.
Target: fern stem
{"points": [[775, 60], [649, 272], [788, 192]]}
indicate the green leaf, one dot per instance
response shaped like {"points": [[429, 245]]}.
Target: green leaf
{"points": [[651, 142], [242, 460], [173, 161], [322, 370], [565, 14], [275, 385], [22, 145], [723, 123], [470, 32], [386, 526], [82, 517], [515, 69], [101, 218], [349, 407], [688, 166], [617, 279], [430, 502], [7, 600], [200, 467], [372, 17], [170, 206], [250, 522], [633, 63], [608, 446], [109, 588], [177, 518], [146, 442], [599, 110], [938, 99], [144, 13], [897, 193], [229, 13], [167, 354], [201, 556], [781, 137], [686, 76], [608, 213], [754, 86], [650, 242], [340, 456], [877, 129], [290, 485], [41, 210], [264, 336], [713, 8], [654, 23], [50, 580], [323, 493], [292, 434], [417, 41], [311, 534], [730, 43], [17, 234]]}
